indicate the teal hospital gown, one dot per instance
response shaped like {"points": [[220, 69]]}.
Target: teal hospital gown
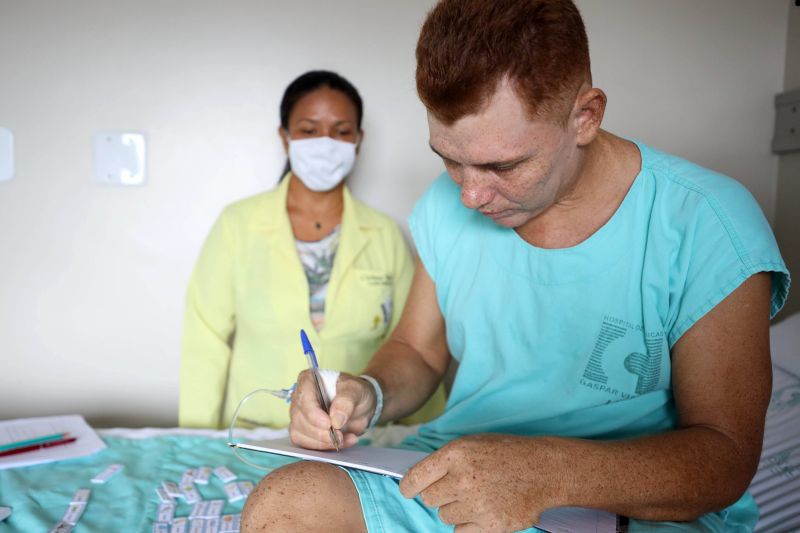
{"points": [[576, 342]]}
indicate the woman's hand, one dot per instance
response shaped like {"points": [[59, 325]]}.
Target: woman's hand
{"points": [[350, 413]]}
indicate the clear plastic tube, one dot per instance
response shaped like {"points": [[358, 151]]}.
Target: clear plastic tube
{"points": [[284, 394]]}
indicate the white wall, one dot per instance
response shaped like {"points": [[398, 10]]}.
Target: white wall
{"points": [[696, 78], [92, 278], [787, 216]]}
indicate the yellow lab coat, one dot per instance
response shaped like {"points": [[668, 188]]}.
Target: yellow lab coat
{"points": [[248, 298]]}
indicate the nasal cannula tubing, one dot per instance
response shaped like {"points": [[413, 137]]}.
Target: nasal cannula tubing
{"points": [[284, 394]]}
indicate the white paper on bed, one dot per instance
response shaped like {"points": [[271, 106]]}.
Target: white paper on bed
{"points": [[395, 463], [87, 441]]}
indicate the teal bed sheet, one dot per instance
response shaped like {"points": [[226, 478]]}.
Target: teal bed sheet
{"points": [[40, 495]]}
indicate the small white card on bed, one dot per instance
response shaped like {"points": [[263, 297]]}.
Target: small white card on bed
{"points": [[387, 461], [395, 463]]}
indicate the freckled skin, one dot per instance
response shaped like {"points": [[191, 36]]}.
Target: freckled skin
{"points": [[491, 464], [296, 498]]}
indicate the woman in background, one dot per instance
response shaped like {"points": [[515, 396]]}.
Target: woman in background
{"points": [[304, 255]]}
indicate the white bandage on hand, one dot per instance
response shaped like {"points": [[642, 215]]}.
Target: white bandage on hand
{"points": [[329, 379]]}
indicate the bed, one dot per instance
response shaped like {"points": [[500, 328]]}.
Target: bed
{"points": [[776, 486], [128, 502], [40, 496]]}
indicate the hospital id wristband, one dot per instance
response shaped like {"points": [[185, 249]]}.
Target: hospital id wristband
{"points": [[378, 400]]}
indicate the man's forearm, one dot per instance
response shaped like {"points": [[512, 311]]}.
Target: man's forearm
{"points": [[677, 476], [406, 379]]}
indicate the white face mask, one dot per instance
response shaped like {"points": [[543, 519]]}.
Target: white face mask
{"points": [[321, 162]]}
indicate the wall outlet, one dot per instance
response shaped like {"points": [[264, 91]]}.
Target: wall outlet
{"points": [[6, 154], [787, 122], [120, 158]]}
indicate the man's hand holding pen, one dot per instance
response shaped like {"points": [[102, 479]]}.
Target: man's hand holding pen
{"points": [[350, 412]]}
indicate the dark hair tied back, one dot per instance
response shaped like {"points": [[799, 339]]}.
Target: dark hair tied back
{"points": [[310, 82]]}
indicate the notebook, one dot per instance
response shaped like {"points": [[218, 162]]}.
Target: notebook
{"points": [[390, 462], [395, 463]]}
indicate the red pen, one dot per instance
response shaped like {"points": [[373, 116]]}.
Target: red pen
{"points": [[34, 447]]}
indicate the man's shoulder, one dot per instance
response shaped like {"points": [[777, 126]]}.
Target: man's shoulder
{"points": [[439, 210], [682, 174], [680, 184], [711, 231], [442, 197], [715, 216]]}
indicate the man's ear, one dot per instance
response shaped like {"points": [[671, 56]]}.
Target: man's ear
{"points": [[587, 114], [284, 138], [359, 141]]}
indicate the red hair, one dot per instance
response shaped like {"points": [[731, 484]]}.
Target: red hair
{"points": [[467, 47]]}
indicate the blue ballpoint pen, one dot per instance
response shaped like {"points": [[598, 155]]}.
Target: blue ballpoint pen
{"points": [[311, 359]]}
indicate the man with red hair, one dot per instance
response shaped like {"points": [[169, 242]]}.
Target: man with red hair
{"points": [[608, 306]]}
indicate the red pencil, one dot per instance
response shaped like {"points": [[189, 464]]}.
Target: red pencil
{"points": [[34, 447]]}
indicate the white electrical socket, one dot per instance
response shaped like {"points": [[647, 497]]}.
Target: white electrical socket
{"points": [[6, 154], [120, 158]]}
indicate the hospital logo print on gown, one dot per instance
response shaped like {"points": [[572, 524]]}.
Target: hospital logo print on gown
{"points": [[624, 350]]}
